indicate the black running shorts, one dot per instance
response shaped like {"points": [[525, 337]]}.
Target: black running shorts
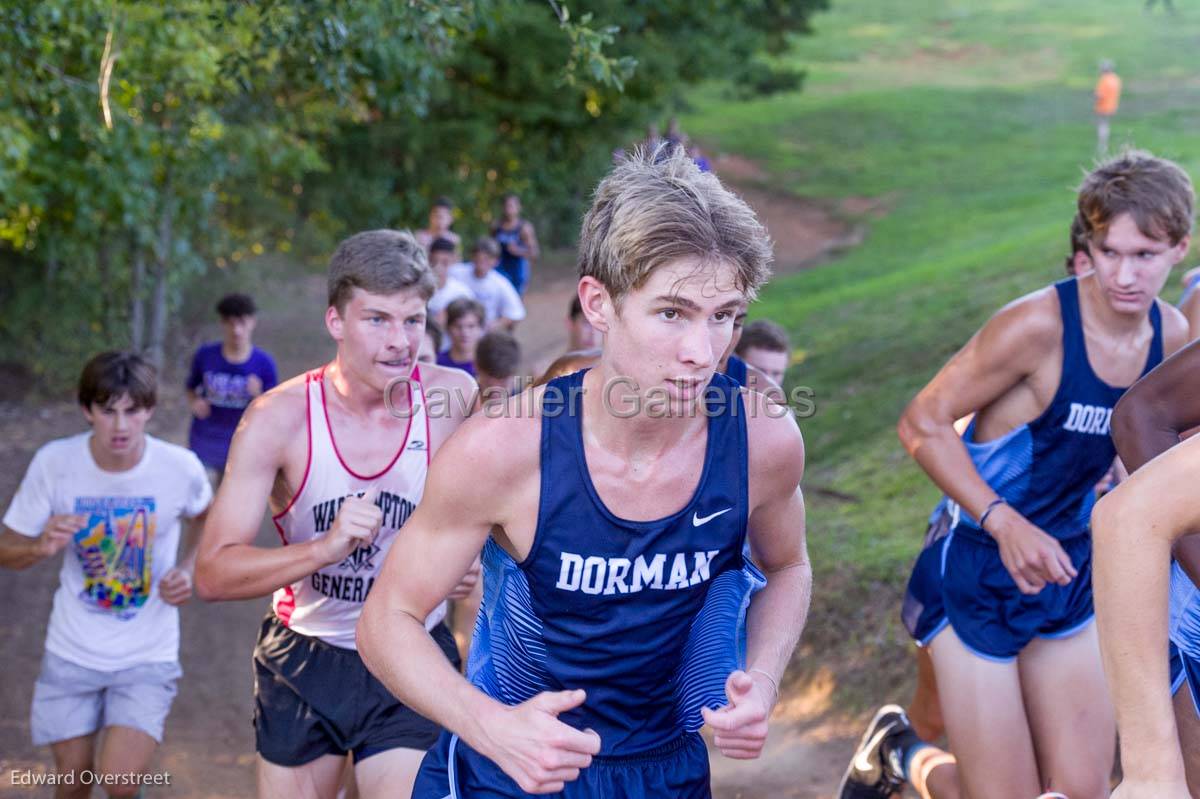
{"points": [[313, 699]]}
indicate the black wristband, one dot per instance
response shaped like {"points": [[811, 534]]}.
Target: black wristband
{"points": [[988, 510]]}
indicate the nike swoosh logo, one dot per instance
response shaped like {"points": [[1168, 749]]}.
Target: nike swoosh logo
{"points": [[698, 520], [863, 761]]}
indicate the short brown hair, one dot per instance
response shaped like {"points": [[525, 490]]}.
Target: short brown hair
{"points": [[462, 307], [1156, 192], [380, 262], [486, 244], [111, 375], [763, 334], [498, 354], [656, 206], [1079, 242]]}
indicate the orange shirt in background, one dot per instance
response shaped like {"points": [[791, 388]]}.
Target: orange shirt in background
{"points": [[1108, 93]]}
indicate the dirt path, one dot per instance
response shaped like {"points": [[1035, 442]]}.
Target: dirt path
{"points": [[209, 743]]}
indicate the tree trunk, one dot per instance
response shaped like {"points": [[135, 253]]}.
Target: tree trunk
{"points": [[108, 308], [158, 315], [162, 257], [137, 310]]}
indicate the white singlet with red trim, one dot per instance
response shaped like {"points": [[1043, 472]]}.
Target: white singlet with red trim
{"points": [[327, 603]]}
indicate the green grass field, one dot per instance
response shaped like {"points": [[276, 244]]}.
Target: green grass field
{"points": [[972, 121]]}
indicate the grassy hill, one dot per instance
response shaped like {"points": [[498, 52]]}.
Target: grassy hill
{"points": [[971, 124]]}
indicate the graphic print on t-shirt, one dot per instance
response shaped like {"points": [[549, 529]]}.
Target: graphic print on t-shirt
{"points": [[115, 547], [228, 390]]}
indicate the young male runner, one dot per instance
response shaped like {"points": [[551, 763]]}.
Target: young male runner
{"points": [[497, 363], [925, 709], [116, 499], [441, 257], [340, 455], [616, 588], [518, 243], [225, 376], [441, 217], [497, 296], [1148, 421], [1010, 632], [1108, 98], [464, 326], [765, 346]]}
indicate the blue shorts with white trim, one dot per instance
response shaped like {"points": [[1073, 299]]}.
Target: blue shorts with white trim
{"points": [[961, 582]]}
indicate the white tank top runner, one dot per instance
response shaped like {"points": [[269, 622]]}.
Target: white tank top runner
{"points": [[326, 604]]}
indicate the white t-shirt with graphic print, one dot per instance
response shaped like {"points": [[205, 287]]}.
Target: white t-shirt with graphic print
{"points": [[108, 614]]}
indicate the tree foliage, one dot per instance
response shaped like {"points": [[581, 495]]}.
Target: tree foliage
{"points": [[143, 143]]}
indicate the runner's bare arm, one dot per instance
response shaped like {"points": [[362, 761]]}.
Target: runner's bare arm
{"points": [[777, 538], [448, 528], [177, 585], [189, 540], [21, 551], [529, 239], [470, 487], [778, 612], [228, 565], [1132, 530], [1004, 353], [1151, 417]]}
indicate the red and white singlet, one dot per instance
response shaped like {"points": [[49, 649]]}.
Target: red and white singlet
{"points": [[327, 603]]}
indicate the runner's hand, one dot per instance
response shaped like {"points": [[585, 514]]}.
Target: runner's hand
{"points": [[1144, 789], [1031, 557], [201, 408], [538, 751], [467, 584], [176, 586], [741, 725], [254, 385], [57, 533], [357, 522]]}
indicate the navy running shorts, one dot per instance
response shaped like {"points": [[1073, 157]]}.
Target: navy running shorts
{"points": [[312, 699], [980, 600], [452, 770], [923, 611]]}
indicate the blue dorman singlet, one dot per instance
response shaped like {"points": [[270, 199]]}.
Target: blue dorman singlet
{"points": [[647, 616], [1047, 469]]}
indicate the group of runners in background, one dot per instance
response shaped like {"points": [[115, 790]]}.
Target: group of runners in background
{"points": [[637, 520]]}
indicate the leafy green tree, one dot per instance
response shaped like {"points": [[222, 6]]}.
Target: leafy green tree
{"points": [[525, 109], [143, 143]]}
